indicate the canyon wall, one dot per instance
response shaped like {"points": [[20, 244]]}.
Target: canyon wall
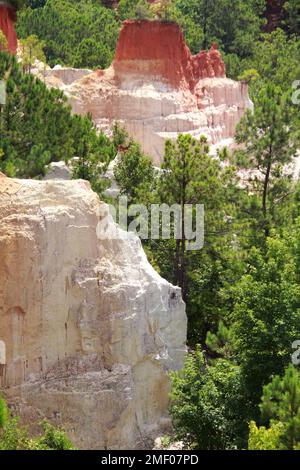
{"points": [[157, 89], [157, 51], [7, 26], [88, 329]]}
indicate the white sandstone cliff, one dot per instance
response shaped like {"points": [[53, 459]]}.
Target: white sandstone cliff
{"points": [[153, 111], [88, 329]]}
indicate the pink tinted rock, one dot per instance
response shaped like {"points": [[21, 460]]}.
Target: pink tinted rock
{"points": [[7, 26]]}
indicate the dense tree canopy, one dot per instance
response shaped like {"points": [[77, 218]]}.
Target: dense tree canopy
{"points": [[79, 33], [37, 126], [65, 24], [280, 407]]}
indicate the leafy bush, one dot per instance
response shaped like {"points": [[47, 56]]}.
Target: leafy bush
{"points": [[15, 437], [280, 406], [52, 439], [3, 413], [261, 438], [206, 404]]}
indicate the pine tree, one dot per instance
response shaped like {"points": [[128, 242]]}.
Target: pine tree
{"points": [[191, 176], [280, 406], [32, 50], [271, 139], [37, 126], [134, 172]]}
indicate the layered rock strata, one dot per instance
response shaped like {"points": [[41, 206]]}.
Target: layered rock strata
{"points": [[88, 329], [157, 89]]}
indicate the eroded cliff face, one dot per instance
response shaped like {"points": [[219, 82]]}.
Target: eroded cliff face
{"points": [[157, 89], [157, 50], [7, 26], [88, 330]]}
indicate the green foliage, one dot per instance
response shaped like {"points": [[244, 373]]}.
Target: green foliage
{"points": [[120, 135], [276, 57], [83, 33], [3, 41], [35, 3], [37, 126], [163, 10], [220, 342], [32, 49], [52, 439], [17, 4], [234, 24], [134, 172], [266, 314], [292, 20], [192, 176], [166, 441], [134, 9], [189, 176], [280, 406], [206, 404], [92, 54], [271, 138], [249, 76], [281, 403], [261, 438], [93, 158], [15, 437], [242, 288], [70, 29], [3, 413]]}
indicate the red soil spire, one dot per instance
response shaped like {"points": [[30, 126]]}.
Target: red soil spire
{"points": [[158, 48], [7, 25]]}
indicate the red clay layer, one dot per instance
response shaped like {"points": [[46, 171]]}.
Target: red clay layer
{"points": [[7, 25], [158, 48]]}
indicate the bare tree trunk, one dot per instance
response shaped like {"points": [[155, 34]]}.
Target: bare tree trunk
{"points": [[265, 195], [177, 263]]}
